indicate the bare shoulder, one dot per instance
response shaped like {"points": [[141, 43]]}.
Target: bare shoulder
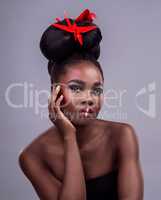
{"points": [[120, 129], [126, 139], [115, 127], [121, 132], [37, 146], [111, 124]]}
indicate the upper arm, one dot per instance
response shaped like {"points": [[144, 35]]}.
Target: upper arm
{"points": [[130, 177], [44, 183]]}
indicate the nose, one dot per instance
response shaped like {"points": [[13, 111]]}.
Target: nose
{"points": [[87, 100]]}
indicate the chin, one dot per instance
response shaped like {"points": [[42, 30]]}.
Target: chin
{"points": [[78, 118], [83, 120]]}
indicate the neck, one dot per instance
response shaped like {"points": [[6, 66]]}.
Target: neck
{"points": [[83, 134]]}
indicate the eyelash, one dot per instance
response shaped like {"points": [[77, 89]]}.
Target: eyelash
{"points": [[100, 90], [73, 87]]}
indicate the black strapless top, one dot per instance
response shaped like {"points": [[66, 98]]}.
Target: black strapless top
{"points": [[102, 187]]}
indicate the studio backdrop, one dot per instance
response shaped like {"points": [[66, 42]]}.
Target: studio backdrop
{"points": [[131, 61]]}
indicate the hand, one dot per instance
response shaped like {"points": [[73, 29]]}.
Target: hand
{"points": [[57, 116]]}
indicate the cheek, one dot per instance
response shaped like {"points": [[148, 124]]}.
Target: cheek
{"points": [[99, 101], [68, 98]]}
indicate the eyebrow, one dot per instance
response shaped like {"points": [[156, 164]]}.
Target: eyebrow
{"points": [[97, 83]]}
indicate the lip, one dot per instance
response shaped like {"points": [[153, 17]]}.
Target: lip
{"points": [[87, 110]]}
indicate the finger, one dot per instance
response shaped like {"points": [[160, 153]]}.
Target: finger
{"points": [[49, 103], [52, 98], [51, 113], [59, 100], [57, 107], [55, 97], [55, 93], [52, 117], [50, 109]]}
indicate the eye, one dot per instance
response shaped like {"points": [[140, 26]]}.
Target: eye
{"points": [[98, 91], [75, 88]]}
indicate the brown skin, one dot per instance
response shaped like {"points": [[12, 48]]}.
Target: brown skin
{"points": [[86, 148]]}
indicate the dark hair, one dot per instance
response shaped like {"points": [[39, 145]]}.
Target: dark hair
{"points": [[61, 49]]}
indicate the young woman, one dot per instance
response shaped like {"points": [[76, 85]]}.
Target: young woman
{"points": [[80, 157]]}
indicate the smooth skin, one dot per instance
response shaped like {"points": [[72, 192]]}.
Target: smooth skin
{"points": [[59, 160]]}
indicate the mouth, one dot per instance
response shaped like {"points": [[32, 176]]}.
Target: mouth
{"points": [[86, 115], [87, 112]]}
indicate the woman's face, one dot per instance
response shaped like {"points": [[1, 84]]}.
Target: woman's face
{"points": [[82, 88]]}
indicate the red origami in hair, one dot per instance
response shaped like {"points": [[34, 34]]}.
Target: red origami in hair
{"points": [[77, 30]]}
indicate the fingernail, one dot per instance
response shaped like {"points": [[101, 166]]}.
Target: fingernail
{"points": [[57, 87]]}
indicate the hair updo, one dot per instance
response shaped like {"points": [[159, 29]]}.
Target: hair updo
{"points": [[61, 49]]}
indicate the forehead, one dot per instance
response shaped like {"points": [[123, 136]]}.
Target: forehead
{"points": [[84, 71]]}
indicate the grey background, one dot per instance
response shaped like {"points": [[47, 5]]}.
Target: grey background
{"points": [[130, 58]]}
